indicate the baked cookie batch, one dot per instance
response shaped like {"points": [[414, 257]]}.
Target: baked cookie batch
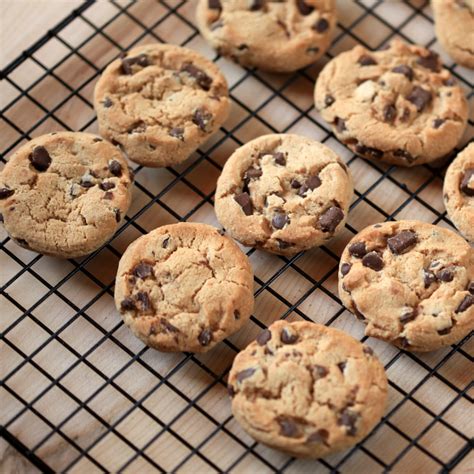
{"points": [[301, 387]]}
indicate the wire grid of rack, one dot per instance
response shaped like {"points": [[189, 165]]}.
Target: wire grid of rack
{"points": [[80, 394]]}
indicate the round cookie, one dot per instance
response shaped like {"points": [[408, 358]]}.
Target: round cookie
{"points": [[64, 194], [160, 102], [307, 389], [411, 283], [397, 105], [458, 192], [454, 25], [283, 193], [279, 36], [184, 287]]}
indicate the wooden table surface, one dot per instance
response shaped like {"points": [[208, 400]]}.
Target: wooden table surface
{"points": [[22, 23]]}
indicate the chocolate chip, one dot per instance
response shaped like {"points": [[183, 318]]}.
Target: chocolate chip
{"points": [[428, 277], [438, 122], [366, 60], [106, 186], [348, 419], [202, 118], [144, 300], [409, 315], [389, 113], [279, 220], [205, 337], [303, 7], [87, 180], [368, 350], [431, 62], [340, 124], [167, 326], [202, 79], [319, 371], [282, 245], [243, 199], [345, 268], [404, 154], [279, 158], [257, 5], [320, 436], [6, 193], [331, 219], [466, 303], [312, 50], [97, 140], [127, 63], [165, 242], [342, 366], [230, 391], [128, 304], [373, 261], [402, 242], [445, 331], [310, 183], [22, 242], [107, 102], [287, 337], [467, 183], [446, 275], [214, 4], [470, 287], [108, 195], [115, 168], [358, 249], [118, 216], [419, 97], [177, 132], [143, 270], [321, 25], [40, 158], [1, 218], [244, 374], [295, 184], [372, 153], [450, 82], [252, 173], [288, 427], [329, 100], [407, 71], [264, 337]]}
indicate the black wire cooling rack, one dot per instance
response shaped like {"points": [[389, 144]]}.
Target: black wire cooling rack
{"points": [[80, 394]]}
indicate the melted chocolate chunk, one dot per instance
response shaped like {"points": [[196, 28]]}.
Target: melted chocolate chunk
{"points": [[340, 124], [446, 275], [366, 60], [214, 4], [402, 242], [349, 419], [372, 153], [319, 371], [331, 219], [202, 118], [342, 366], [205, 337], [373, 261], [358, 249], [244, 374], [467, 182], [264, 337], [107, 102], [445, 331], [345, 268], [257, 5], [389, 113], [117, 215], [106, 186], [40, 158], [295, 184], [243, 199], [177, 132], [144, 300], [128, 304], [430, 62], [279, 158], [6, 193], [319, 436], [282, 245], [167, 326], [143, 270], [279, 220], [287, 337], [329, 100], [310, 183], [288, 427], [419, 97], [252, 173], [115, 168], [321, 25], [409, 315], [407, 71], [303, 7], [470, 287], [428, 277], [404, 154], [202, 79], [127, 63], [165, 242], [438, 122], [465, 304]]}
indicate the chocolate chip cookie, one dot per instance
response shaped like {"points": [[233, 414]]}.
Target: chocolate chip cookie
{"points": [[280, 36], [184, 287], [398, 105], [307, 389], [160, 102], [458, 192], [283, 194], [64, 194], [411, 283], [454, 24]]}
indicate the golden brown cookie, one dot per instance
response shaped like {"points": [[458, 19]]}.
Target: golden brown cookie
{"points": [[307, 389]]}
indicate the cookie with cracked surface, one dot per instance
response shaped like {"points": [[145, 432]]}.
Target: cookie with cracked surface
{"points": [[160, 102], [64, 194], [279, 36], [458, 192], [307, 389], [184, 287], [454, 26], [397, 105], [283, 194], [411, 283]]}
